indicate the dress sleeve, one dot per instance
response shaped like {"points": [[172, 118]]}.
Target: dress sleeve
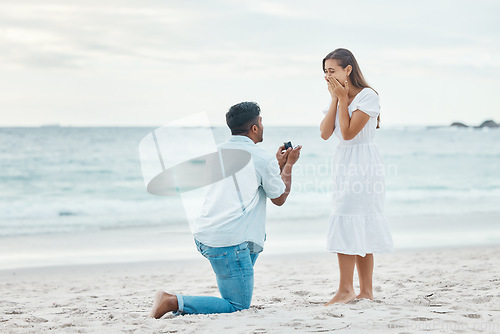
{"points": [[369, 104]]}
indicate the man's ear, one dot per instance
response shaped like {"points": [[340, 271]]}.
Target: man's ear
{"points": [[255, 129]]}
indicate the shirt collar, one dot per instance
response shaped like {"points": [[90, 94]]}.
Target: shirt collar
{"points": [[240, 138]]}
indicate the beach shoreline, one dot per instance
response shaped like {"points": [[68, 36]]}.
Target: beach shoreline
{"points": [[438, 290], [159, 243], [191, 261]]}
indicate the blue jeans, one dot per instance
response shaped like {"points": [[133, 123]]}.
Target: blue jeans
{"points": [[233, 268]]}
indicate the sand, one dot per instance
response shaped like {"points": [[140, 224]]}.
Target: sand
{"points": [[438, 291]]}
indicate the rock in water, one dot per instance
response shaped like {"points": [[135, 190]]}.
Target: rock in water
{"points": [[460, 125], [489, 124]]}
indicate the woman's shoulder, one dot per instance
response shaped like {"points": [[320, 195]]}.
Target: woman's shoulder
{"points": [[368, 102], [368, 91], [367, 94]]}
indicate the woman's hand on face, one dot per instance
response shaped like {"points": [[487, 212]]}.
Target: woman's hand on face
{"points": [[341, 92], [330, 88]]}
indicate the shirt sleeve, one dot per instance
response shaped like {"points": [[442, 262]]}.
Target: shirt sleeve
{"points": [[369, 104], [272, 183]]}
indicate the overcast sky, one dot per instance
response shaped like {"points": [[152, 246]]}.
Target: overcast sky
{"points": [[137, 63]]}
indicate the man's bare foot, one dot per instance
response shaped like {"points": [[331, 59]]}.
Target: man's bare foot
{"points": [[163, 303], [342, 296], [365, 295]]}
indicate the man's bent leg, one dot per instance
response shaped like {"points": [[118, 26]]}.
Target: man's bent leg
{"points": [[233, 268], [238, 287]]}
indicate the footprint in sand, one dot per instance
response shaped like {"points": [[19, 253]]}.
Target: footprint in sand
{"points": [[420, 301], [301, 293], [68, 324], [480, 300], [36, 319], [396, 324]]}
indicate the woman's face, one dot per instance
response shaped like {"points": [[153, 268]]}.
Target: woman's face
{"points": [[332, 69]]}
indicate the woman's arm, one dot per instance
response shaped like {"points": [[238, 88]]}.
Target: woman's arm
{"points": [[349, 126], [328, 123]]}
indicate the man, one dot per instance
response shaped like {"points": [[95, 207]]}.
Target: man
{"points": [[230, 230]]}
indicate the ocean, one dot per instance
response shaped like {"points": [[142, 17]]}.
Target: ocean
{"points": [[59, 184]]}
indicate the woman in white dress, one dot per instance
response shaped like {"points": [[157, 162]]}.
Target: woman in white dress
{"points": [[357, 226]]}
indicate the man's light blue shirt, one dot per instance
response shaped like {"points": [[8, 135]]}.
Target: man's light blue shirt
{"points": [[234, 209]]}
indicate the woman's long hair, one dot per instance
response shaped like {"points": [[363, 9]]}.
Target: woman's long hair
{"points": [[344, 58]]}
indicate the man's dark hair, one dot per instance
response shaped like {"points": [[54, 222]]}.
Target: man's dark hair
{"points": [[242, 116]]}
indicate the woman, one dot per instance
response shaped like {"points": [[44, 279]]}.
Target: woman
{"points": [[357, 225]]}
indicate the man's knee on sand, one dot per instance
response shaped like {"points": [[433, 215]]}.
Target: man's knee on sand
{"points": [[242, 306]]}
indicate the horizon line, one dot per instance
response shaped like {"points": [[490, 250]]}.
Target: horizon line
{"points": [[213, 126]]}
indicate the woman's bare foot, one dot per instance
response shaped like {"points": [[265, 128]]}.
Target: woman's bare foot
{"points": [[163, 303], [365, 295], [342, 296]]}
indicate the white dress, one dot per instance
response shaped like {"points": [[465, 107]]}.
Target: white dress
{"points": [[357, 224]]}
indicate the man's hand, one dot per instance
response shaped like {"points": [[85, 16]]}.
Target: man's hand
{"points": [[286, 172], [282, 155], [293, 155]]}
